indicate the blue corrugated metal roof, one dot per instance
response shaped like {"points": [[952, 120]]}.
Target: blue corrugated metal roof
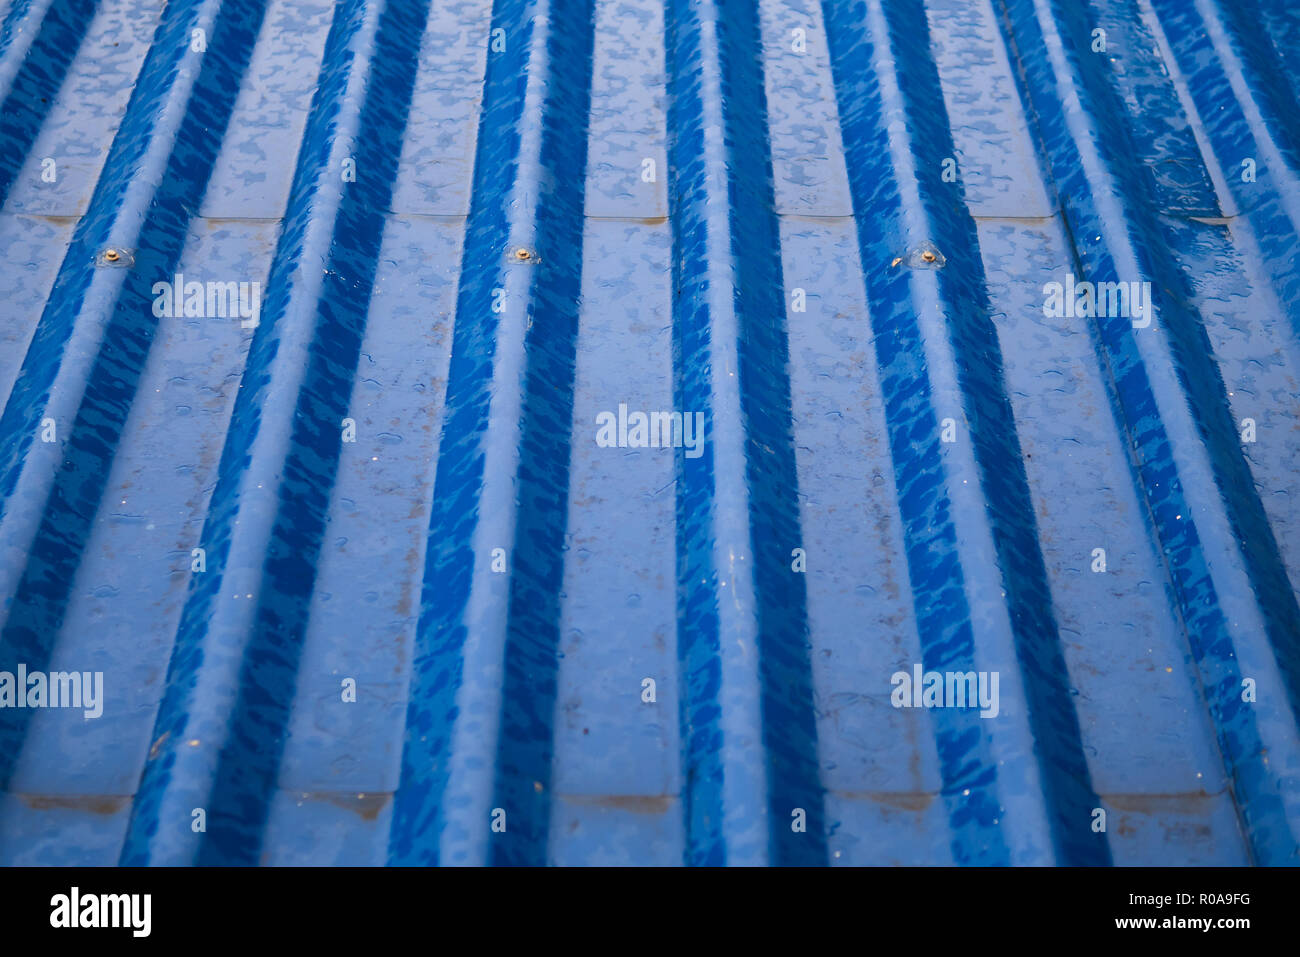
{"points": [[364, 578]]}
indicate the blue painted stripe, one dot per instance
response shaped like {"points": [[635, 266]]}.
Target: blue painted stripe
{"points": [[250, 759], [789, 720], [437, 667], [934, 567], [742, 265], [14, 34], [1273, 89], [1271, 200], [160, 80], [527, 193], [525, 743], [245, 771], [697, 586], [1055, 725], [36, 82], [1277, 20], [939, 580], [1169, 158], [194, 654], [1177, 342], [41, 599]]}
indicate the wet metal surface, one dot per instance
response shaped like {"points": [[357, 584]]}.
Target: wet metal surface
{"points": [[372, 485]]}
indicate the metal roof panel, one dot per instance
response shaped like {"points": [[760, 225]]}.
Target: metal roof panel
{"points": [[452, 605]]}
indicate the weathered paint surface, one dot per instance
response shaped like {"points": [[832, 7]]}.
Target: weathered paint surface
{"points": [[477, 228]]}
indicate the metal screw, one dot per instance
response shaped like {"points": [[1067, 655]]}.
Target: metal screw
{"points": [[110, 255], [928, 256], [522, 253]]}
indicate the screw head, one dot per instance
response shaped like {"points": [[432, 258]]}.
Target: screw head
{"points": [[522, 253], [116, 257], [928, 256]]}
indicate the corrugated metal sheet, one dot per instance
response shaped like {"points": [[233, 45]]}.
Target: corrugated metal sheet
{"points": [[478, 228]]}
